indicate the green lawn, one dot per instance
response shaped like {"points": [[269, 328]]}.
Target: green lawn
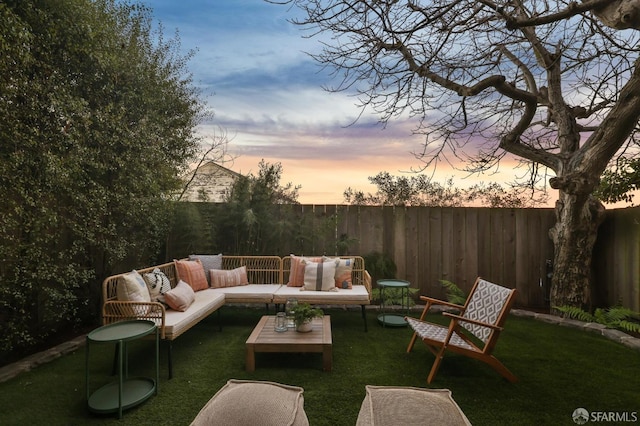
{"points": [[560, 369]]}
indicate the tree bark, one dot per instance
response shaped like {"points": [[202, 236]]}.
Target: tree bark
{"points": [[574, 235]]}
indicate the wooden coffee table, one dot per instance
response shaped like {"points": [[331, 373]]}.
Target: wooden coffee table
{"points": [[265, 339]]}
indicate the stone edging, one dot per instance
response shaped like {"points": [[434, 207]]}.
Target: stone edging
{"points": [[29, 363], [32, 361], [609, 333]]}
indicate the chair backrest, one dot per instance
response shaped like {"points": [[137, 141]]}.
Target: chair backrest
{"points": [[488, 303]]}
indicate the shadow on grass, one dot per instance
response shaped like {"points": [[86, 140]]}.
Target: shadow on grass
{"points": [[559, 369]]}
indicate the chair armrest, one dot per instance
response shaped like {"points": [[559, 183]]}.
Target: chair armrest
{"points": [[432, 301], [115, 310], [459, 318], [367, 282]]}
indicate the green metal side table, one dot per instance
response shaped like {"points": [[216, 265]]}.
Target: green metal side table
{"points": [[127, 391], [393, 320]]}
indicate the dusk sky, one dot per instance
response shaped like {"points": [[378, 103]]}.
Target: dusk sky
{"points": [[267, 95]]}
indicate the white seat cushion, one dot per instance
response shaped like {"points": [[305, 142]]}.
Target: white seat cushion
{"points": [[176, 322], [358, 295], [251, 293]]}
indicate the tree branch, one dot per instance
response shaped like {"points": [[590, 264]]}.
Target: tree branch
{"points": [[572, 9]]}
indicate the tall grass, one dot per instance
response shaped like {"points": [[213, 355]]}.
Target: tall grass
{"points": [[559, 369]]}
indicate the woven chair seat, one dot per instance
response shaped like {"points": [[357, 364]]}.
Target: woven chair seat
{"points": [[438, 333]]}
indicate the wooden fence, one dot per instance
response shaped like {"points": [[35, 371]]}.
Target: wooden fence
{"points": [[617, 259], [428, 244]]}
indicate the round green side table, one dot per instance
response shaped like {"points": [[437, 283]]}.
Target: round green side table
{"points": [[393, 320], [127, 391]]}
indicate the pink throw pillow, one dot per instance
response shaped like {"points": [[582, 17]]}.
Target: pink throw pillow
{"points": [[235, 277], [296, 273], [180, 297], [192, 273]]}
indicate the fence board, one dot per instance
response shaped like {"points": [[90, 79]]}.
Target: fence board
{"points": [[459, 241], [509, 247], [447, 244], [319, 242], [484, 247], [470, 267], [434, 256], [412, 260], [352, 226], [522, 255], [372, 229], [424, 278]]}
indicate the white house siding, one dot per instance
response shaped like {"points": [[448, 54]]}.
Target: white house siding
{"points": [[210, 184]]}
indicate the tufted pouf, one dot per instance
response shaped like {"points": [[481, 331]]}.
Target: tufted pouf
{"points": [[392, 406], [250, 403]]}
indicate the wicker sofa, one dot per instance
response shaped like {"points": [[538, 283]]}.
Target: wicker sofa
{"points": [[267, 276]]}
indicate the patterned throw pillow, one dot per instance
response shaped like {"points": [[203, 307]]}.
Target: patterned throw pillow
{"points": [[344, 269], [296, 273], [191, 272], [180, 297], [319, 276], [158, 284], [232, 278], [209, 261]]}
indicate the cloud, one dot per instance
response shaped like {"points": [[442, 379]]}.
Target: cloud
{"points": [[267, 94]]}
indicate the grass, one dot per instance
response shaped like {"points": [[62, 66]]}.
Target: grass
{"points": [[560, 369]]}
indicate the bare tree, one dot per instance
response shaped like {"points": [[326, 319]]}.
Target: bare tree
{"points": [[213, 148], [554, 83]]}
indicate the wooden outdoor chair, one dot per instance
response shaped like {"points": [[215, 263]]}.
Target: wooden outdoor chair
{"points": [[482, 316]]}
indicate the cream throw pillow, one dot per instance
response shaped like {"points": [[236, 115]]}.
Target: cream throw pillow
{"points": [[344, 269], [319, 276], [132, 288]]}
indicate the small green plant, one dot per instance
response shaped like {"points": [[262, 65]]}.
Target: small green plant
{"points": [[454, 293], [613, 317], [304, 312]]}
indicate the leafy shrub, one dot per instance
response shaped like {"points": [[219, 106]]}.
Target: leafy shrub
{"points": [[616, 317], [454, 293]]}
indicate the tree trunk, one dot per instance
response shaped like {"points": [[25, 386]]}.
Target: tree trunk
{"points": [[574, 235]]}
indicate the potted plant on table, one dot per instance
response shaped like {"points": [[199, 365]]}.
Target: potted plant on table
{"points": [[303, 315]]}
